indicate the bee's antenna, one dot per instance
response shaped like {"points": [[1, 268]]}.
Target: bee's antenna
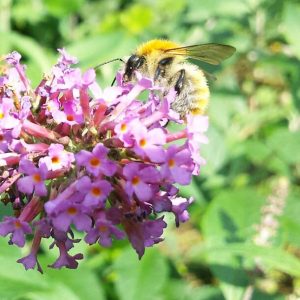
{"points": [[108, 62]]}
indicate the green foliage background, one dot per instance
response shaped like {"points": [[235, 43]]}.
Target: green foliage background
{"points": [[254, 148]]}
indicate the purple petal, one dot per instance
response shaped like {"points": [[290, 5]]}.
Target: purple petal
{"points": [[129, 189], [130, 170], [13, 58], [108, 168], [156, 154], [82, 157], [18, 238], [105, 240], [82, 222], [100, 151], [26, 227], [62, 221], [181, 175], [26, 166], [25, 185], [157, 136], [40, 189], [6, 227], [143, 191], [84, 184], [182, 157], [118, 233], [150, 175], [43, 170], [66, 58], [92, 236], [28, 261], [136, 237], [89, 77]]}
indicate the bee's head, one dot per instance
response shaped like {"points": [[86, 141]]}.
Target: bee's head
{"points": [[133, 63]]}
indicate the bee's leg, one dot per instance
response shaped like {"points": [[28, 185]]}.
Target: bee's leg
{"points": [[158, 72], [180, 81], [161, 68]]}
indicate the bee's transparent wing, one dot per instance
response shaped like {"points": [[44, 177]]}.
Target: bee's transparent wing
{"points": [[210, 53]]}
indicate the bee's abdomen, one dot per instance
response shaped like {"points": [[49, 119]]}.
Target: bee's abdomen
{"points": [[194, 93]]}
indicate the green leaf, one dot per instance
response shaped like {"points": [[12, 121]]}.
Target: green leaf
{"points": [[286, 145], [17, 283], [229, 219], [5, 210], [269, 256], [256, 151], [181, 290], [231, 215], [62, 8], [215, 7], [290, 23], [137, 18], [290, 221], [144, 279], [215, 152]]}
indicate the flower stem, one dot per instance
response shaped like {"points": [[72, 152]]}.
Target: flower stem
{"points": [[31, 210], [40, 131], [176, 136]]}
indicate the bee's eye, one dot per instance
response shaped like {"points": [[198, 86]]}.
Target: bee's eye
{"points": [[140, 62], [135, 61]]}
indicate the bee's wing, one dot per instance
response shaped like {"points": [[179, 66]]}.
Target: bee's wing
{"points": [[210, 53]]}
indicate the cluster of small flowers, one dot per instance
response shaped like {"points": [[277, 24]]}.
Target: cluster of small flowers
{"points": [[103, 162]]}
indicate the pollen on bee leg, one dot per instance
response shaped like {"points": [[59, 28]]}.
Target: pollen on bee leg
{"points": [[200, 106], [197, 111]]}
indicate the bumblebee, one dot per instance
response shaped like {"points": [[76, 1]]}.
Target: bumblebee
{"points": [[165, 62]]}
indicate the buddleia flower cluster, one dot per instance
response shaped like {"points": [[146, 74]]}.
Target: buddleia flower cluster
{"points": [[75, 157]]}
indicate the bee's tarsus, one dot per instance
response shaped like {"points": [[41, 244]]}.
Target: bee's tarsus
{"points": [[158, 72], [180, 81]]}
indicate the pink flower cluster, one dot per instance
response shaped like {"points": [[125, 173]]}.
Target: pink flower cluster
{"points": [[103, 162]]}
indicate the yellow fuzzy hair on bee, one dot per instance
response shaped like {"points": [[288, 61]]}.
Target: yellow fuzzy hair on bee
{"points": [[158, 45]]}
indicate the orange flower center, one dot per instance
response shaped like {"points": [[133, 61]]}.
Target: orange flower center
{"points": [[171, 163], [70, 118], [123, 127], [55, 159], [37, 178], [1, 138], [102, 228], [72, 210], [96, 191], [1, 115], [135, 180], [143, 142], [95, 162], [18, 224]]}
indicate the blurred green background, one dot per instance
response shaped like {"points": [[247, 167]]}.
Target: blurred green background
{"points": [[243, 239]]}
